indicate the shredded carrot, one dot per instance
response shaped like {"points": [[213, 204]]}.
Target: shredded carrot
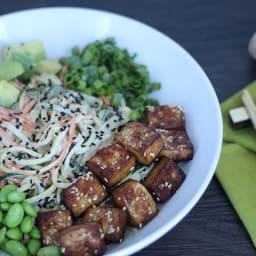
{"points": [[69, 100], [27, 108], [26, 99], [20, 171], [62, 80], [65, 68], [6, 137], [14, 180], [20, 84], [106, 100], [10, 115], [70, 137]]}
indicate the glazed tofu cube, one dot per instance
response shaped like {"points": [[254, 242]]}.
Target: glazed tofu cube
{"points": [[82, 240], [141, 141], [133, 197], [165, 117], [164, 180], [51, 222], [113, 221], [111, 164], [177, 145], [83, 193]]}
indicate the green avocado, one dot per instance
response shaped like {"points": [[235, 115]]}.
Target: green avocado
{"points": [[10, 69], [48, 66], [27, 54], [9, 94]]}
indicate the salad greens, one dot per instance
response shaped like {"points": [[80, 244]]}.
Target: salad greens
{"points": [[103, 69]]}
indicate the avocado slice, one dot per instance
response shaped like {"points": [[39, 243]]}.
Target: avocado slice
{"points": [[10, 69], [27, 54], [48, 66], [9, 94]]}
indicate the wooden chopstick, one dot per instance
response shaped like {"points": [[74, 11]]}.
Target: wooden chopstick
{"points": [[250, 106]]}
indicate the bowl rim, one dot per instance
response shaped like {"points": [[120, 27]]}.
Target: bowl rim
{"points": [[204, 185]]}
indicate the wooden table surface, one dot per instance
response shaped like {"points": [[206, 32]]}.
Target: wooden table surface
{"points": [[216, 33]]}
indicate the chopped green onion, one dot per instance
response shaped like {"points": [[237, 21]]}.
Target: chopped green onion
{"points": [[103, 69]]}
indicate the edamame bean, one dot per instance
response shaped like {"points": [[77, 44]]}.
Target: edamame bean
{"points": [[16, 197], [35, 233], [52, 250], [16, 248], [14, 233], [33, 246], [14, 216], [26, 224], [5, 191], [2, 234], [29, 209], [5, 206]]}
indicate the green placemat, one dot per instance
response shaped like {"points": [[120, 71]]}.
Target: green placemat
{"points": [[236, 169]]}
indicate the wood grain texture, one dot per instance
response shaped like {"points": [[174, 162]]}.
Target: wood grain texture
{"points": [[216, 33]]}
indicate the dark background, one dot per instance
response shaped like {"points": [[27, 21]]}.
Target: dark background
{"points": [[216, 33]]}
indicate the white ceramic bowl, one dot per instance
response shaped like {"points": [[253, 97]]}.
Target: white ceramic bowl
{"points": [[183, 83]]}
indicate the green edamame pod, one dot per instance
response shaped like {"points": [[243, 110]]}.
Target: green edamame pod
{"points": [[26, 224], [15, 248], [33, 246], [29, 209], [35, 233], [5, 206], [14, 216], [2, 234], [5, 191], [52, 250], [16, 197], [14, 233]]}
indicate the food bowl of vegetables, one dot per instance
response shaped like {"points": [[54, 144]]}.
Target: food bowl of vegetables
{"points": [[104, 132]]}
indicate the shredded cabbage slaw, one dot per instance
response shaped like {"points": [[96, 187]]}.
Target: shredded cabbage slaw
{"points": [[48, 136]]}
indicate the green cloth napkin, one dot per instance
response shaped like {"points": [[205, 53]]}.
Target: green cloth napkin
{"points": [[236, 169]]}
